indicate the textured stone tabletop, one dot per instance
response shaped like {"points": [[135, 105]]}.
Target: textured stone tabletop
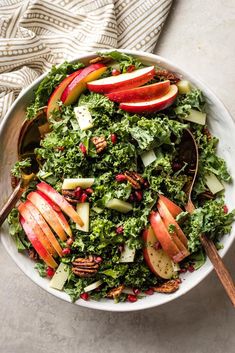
{"points": [[199, 36]]}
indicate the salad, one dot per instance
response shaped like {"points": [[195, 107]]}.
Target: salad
{"points": [[105, 216]]}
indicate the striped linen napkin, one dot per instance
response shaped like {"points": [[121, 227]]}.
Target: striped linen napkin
{"points": [[35, 34]]}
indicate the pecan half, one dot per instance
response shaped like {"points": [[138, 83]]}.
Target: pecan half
{"points": [[33, 255], [99, 59], [85, 267], [134, 179], [100, 143], [167, 287], [70, 196], [115, 292], [173, 78], [14, 181]]}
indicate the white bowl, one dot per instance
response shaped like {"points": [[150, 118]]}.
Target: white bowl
{"points": [[220, 124]]}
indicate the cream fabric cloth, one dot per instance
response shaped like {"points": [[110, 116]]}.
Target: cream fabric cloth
{"points": [[35, 34]]}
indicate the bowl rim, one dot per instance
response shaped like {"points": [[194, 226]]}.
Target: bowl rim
{"points": [[141, 304]]}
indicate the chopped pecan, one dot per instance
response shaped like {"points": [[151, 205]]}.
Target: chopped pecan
{"points": [[167, 287], [167, 75], [207, 195], [207, 133], [100, 143], [115, 292], [99, 59], [134, 179], [85, 267], [70, 196], [33, 254], [14, 181]]}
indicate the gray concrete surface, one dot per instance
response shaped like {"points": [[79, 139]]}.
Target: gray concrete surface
{"points": [[199, 36]]}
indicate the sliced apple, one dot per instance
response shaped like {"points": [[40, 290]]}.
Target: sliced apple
{"points": [[60, 201], [60, 216], [78, 84], [157, 260], [26, 214], [44, 226], [174, 209], [168, 220], [164, 237], [154, 105], [124, 81], [56, 95], [47, 212], [145, 93], [83, 209], [40, 249]]}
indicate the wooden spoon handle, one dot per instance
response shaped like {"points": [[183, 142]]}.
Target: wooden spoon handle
{"points": [[11, 202], [221, 270]]}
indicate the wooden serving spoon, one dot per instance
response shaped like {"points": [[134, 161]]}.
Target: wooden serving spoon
{"points": [[30, 136], [189, 150]]}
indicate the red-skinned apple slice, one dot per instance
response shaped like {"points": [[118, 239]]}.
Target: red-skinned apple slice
{"points": [[78, 84], [124, 81], [56, 95], [174, 209], [59, 213], [60, 201], [48, 213], [164, 237], [168, 220], [137, 94], [44, 226], [156, 259], [26, 214], [153, 105], [42, 252]]}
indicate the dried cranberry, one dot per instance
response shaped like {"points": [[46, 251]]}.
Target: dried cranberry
{"points": [[82, 148], [84, 296], [83, 198], [138, 195], [89, 191], [149, 291], [120, 178], [132, 298], [66, 251], [191, 268], [183, 270], [130, 68], [157, 245], [225, 207], [98, 259], [176, 166], [115, 72], [113, 138], [119, 230], [50, 271], [136, 291], [78, 192]]}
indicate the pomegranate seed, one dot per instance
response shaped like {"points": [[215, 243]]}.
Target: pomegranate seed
{"points": [[82, 148], [113, 138], [191, 268], [83, 198], [78, 192], [183, 270], [157, 245], [146, 184], [69, 241], [132, 298], [139, 195], [84, 296], [225, 209], [176, 166], [89, 191], [130, 68], [50, 271], [119, 230], [98, 259], [115, 72], [149, 291], [132, 198], [66, 251], [120, 178], [136, 291]]}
